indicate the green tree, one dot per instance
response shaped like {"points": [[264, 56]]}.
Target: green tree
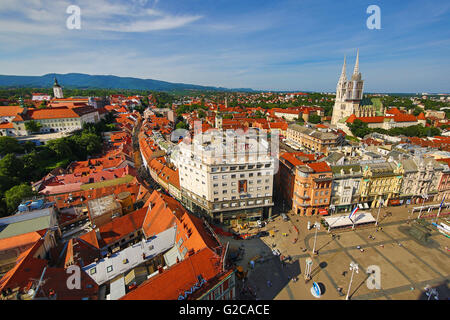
{"points": [[14, 196], [359, 128], [201, 114], [181, 125], [10, 145], [11, 166], [314, 118], [33, 126], [60, 147]]}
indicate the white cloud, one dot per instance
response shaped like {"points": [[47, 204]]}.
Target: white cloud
{"points": [[47, 17], [167, 22]]}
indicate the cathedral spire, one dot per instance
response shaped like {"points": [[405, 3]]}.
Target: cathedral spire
{"points": [[356, 70], [344, 71]]}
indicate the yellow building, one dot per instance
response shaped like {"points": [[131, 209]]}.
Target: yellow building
{"points": [[381, 181]]}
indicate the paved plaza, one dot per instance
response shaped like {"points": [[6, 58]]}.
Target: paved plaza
{"points": [[406, 265]]}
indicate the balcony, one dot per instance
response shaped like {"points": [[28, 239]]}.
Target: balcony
{"points": [[302, 197], [324, 179]]}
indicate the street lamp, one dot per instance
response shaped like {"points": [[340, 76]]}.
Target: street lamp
{"points": [[317, 226], [379, 208], [309, 264], [353, 268]]}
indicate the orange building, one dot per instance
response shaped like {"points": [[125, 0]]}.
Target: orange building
{"points": [[312, 189], [304, 184]]}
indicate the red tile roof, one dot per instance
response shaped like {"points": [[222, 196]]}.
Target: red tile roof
{"points": [[117, 229], [10, 111], [405, 118], [319, 166], [179, 278]]}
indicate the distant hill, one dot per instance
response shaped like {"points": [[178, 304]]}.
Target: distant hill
{"points": [[86, 81]]}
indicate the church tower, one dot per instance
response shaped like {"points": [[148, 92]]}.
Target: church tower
{"points": [[57, 90], [349, 94]]}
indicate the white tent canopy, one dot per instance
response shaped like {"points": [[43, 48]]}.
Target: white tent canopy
{"points": [[342, 221]]}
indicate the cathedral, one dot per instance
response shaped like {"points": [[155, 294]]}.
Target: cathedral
{"points": [[349, 96]]}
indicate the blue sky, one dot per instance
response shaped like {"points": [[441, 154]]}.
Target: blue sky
{"points": [[259, 44]]}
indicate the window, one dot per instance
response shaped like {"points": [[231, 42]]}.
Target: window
{"points": [[93, 271], [109, 269]]}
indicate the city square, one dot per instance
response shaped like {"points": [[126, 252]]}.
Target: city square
{"points": [[406, 269]]}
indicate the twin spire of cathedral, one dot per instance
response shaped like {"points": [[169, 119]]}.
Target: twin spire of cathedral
{"points": [[356, 74]]}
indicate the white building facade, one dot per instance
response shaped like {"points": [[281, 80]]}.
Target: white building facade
{"points": [[227, 176]]}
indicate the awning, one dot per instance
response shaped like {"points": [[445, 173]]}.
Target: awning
{"points": [[323, 212]]}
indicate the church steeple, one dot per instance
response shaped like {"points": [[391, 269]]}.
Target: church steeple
{"points": [[356, 70], [344, 71], [356, 74], [57, 90]]}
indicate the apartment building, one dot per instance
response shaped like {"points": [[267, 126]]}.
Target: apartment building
{"points": [[227, 176], [285, 177], [381, 182], [312, 189], [312, 139], [345, 186]]}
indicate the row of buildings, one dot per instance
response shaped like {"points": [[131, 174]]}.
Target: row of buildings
{"points": [[311, 185]]}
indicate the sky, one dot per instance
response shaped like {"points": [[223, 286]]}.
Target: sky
{"points": [[260, 44]]}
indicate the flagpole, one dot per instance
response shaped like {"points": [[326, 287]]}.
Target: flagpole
{"points": [[440, 207]]}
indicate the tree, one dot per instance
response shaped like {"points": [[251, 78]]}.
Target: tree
{"points": [[43, 104], [11, 166], [10, 145], [181, 125], [14, 196], [314, 118], [60, 147], [201, 114], [359, 128], [33, 126]]}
